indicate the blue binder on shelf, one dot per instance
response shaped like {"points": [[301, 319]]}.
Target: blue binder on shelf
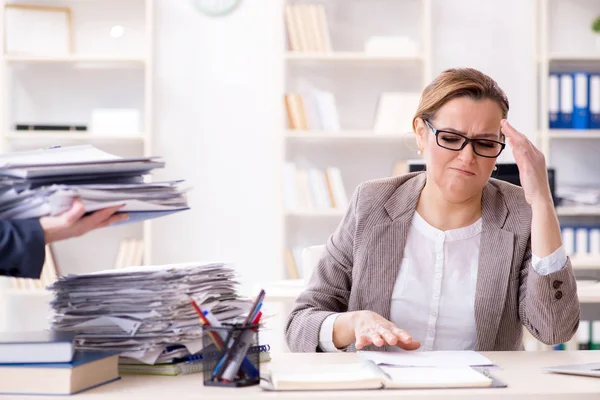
{"points": [[566, 101], [554, 101], [581, 109], [594, 89]]}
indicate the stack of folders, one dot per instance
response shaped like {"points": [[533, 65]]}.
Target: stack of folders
{"points": [[44, 182], [142, 312]]}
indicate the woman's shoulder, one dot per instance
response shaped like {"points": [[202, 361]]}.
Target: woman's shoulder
{"points": [[386, 187]]}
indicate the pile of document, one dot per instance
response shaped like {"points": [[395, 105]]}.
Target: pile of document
{"points": [[44, 182], [143, 312]]}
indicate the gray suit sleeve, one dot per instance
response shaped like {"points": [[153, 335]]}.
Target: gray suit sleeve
{"points": [[328, 290], [548, 304]]}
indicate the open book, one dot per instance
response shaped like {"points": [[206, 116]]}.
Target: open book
{"points": [[368, 375]]}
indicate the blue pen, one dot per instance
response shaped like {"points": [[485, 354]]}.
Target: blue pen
{"points": [[247, 366]]}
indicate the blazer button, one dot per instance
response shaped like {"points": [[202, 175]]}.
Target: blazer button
{"points": [[556, 284], [558, 295]]}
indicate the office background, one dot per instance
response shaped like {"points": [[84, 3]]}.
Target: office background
{"points": [[212, 89]]}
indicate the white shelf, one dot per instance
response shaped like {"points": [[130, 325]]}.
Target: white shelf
{"points": [[585, 262], [73, 59], [70, 135], [573, 57], [345, 136], [349, 56], [574, 211], [330, 213], [574, 133]]}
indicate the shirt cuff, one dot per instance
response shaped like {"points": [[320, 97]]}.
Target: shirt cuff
{"points": [[326, 334], [549, 264]]}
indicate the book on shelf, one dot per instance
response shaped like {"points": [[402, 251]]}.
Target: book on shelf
{"points": [[395, 112], [574, 100], [313, 110], [307, 29], [130, 253], [291, 266], [581, 240], [50, 127], [313, 188]]}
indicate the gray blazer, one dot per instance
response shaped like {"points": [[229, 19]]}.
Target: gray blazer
{"points": [[363, 257]]}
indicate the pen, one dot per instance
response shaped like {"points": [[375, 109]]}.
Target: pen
{"points": [[243, 345], [218, 371], [247, 367]]}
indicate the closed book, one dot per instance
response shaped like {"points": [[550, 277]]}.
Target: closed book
{"points": [[553, 101], [594, 101], [581, 109], [86, 370], [36, 347], [566, 101]]}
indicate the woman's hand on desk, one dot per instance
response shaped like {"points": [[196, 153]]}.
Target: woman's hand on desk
{"points": [[73, 223], [367, 327]]}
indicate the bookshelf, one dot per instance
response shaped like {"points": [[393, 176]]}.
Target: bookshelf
{"points": [[341, 57], [566, 44], [109, 65]]}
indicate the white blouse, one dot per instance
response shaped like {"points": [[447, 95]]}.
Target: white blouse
{"points": [[434, 295]]}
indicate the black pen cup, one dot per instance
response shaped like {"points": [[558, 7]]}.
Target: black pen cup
{"points": [[231, 356]]}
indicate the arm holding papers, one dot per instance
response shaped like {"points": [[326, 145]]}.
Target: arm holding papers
{"points": [[22, 242]]}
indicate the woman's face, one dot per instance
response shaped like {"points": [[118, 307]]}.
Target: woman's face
{"points": [[462, 174]]}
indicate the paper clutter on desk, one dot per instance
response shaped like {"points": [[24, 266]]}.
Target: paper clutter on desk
{"points": [[142, 311]]}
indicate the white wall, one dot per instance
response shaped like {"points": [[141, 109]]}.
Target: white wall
{"points": [[218, 90]]}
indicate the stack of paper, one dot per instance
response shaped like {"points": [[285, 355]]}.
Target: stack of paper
{"points": [[38, 183], [142, 311]]}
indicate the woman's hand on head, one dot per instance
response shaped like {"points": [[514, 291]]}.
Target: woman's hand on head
{"points": [[532, 165], [73, 223], [372, 328]]}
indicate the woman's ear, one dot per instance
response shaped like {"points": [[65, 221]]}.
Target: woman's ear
{"points": [[421, 132]]}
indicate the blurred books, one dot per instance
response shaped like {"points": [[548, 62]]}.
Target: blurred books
{"points": [[306, 28], [312, 110], [140, 312], [313, 189], [44, 182]]}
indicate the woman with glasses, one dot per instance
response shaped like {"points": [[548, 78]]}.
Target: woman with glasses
{"points": [[447, 259]]}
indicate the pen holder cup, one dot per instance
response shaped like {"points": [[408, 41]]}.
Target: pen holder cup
{"points": [[231, 355]]}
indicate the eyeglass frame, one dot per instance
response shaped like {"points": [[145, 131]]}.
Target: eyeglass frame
{"points": [[466, 142]]}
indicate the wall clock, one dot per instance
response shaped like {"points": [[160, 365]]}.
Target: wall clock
{"points": [[216, 8]]}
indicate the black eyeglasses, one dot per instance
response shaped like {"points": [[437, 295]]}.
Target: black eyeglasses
{"points": [[456, 142]]}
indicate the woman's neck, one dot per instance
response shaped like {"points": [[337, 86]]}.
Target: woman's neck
{"points": [[446, 215]]}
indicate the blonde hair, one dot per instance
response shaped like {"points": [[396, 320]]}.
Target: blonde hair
{"points": [[458, 82]]}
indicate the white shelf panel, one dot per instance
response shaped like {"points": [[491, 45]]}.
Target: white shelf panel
{"points": [[585, 262], [74, 59], [345, 136], [573, 57], [349, 56], [574, 133], [574, 211], [70, 135], [331, 213]]}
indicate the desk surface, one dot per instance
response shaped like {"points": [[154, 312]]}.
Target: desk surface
{"points": [[520, 370]]}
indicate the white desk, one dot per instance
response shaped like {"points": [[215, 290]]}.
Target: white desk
{"points": [[521, 371]]}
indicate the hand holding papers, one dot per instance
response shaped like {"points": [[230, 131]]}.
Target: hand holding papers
{"points": [[73, 222], [40, 183]]}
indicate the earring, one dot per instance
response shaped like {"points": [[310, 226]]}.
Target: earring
{"points": [[419, 152], [495, 168]]}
